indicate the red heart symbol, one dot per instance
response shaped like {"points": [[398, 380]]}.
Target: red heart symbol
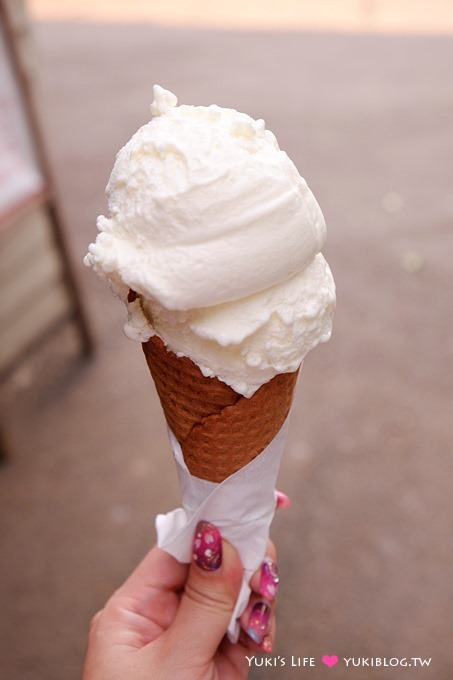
{"points": [[329, 660]]}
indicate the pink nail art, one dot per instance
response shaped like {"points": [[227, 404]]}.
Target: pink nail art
{"points": [[266, 644], [269, 579], [282, 501], [258, 622], [207, 546]]}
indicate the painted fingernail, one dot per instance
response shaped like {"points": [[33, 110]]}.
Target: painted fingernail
{"points": [[282, 501], [258, 622], [269, 579], [207, 546], [266, 644]]}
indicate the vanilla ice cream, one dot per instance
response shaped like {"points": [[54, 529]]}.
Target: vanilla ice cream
{"points": [[218, 234]]}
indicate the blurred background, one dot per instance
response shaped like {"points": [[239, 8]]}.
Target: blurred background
{"points": [[360, 94]]}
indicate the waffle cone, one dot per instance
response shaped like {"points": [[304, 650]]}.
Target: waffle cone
{"points": [[218, 429]]}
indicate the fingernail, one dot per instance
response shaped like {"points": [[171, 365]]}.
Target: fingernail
{"points": [[258, 622], [207, 546], [282, 501], [266, 644], [269, 579]]}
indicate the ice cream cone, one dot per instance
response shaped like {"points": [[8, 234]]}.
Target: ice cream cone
{"points": [[222, 242], [218, 429]]}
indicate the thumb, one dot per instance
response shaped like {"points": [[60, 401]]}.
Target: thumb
{"points": [[210, 593]]}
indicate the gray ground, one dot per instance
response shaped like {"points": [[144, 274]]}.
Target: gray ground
{"points": [[366, 550]]}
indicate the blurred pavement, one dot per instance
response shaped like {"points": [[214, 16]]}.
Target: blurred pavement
{"points": [[365, 551]]}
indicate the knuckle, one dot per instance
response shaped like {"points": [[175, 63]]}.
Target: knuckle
{"points": [[94, 623], [210, 599]]}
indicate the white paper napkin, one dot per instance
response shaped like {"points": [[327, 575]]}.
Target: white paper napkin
{"points": [[242, 507]]}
